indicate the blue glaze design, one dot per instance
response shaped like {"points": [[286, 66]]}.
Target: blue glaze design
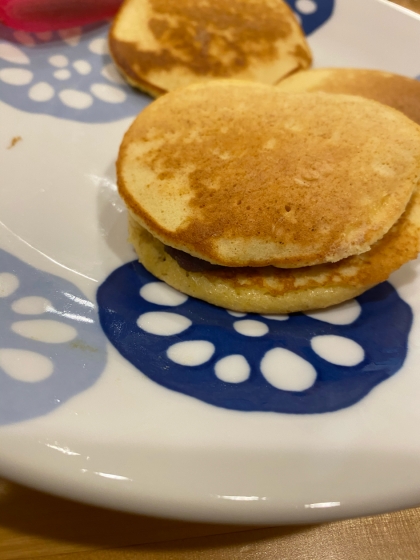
{"points": [[78, 364], [99, 111], [311, 22], [381, 329]]}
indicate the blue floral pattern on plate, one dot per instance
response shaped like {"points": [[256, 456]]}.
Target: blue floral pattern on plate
{"points": [[67, 74], [312, 13], [149, 335], [49, 320]]}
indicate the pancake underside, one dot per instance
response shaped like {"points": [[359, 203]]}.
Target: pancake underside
{"points": [[274, 290]]}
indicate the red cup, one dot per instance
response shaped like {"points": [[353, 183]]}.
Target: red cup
{"points": [[47, 15]]}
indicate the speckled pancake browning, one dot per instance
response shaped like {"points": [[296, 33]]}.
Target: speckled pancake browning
{"points": [[242, 174], [393, 90], [160, 45], [274, 290]]}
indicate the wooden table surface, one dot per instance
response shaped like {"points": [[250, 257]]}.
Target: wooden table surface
{"points": [[37, 526]]}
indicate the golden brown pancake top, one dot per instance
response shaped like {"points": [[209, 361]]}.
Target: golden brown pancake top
{"points": [[393, 90], [204, 38], [241, 174]]}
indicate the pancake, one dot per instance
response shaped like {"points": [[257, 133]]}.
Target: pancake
{"points": [[160, 45], [393, 90], [409, 4], [242, 174], [274, 290]]}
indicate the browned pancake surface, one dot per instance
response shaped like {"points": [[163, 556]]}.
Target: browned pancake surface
{"points": [[398, 92], [240, 174], [410, 4], [159, 44]]}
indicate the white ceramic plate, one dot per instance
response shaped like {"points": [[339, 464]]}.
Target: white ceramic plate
{"points": [[314, 418]]}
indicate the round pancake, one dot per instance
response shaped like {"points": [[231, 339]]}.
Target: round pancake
{"points": [[241, 174], [393, 90], [274, 290], [160, 45]]}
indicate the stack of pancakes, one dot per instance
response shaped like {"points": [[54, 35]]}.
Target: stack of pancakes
{"points": [[161, 45], [264, 201]]}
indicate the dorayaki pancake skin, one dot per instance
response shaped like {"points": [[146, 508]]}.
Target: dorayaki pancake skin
{"points": [[242, 174], [409, 4], [390, 89], [160, 45], [274, 290]]}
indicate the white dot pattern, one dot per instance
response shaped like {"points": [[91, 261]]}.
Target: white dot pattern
{"points": [[16, 76], [163, 323], [191, 352], [283, 369], [249, 327], [25, 365], [306, 7], [111, 73], [338, 350], [48, 330], [62, 74], [58, 60], [233, 369], [45, 330], [236, 313], [31, 305], [162, 294], [13, 54], [9, 283], [41, 92], [277, 317], [77, 76], [107, 93], [75, 99], [98, 46], [342, 314], [287, 371], [82, 67]]}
